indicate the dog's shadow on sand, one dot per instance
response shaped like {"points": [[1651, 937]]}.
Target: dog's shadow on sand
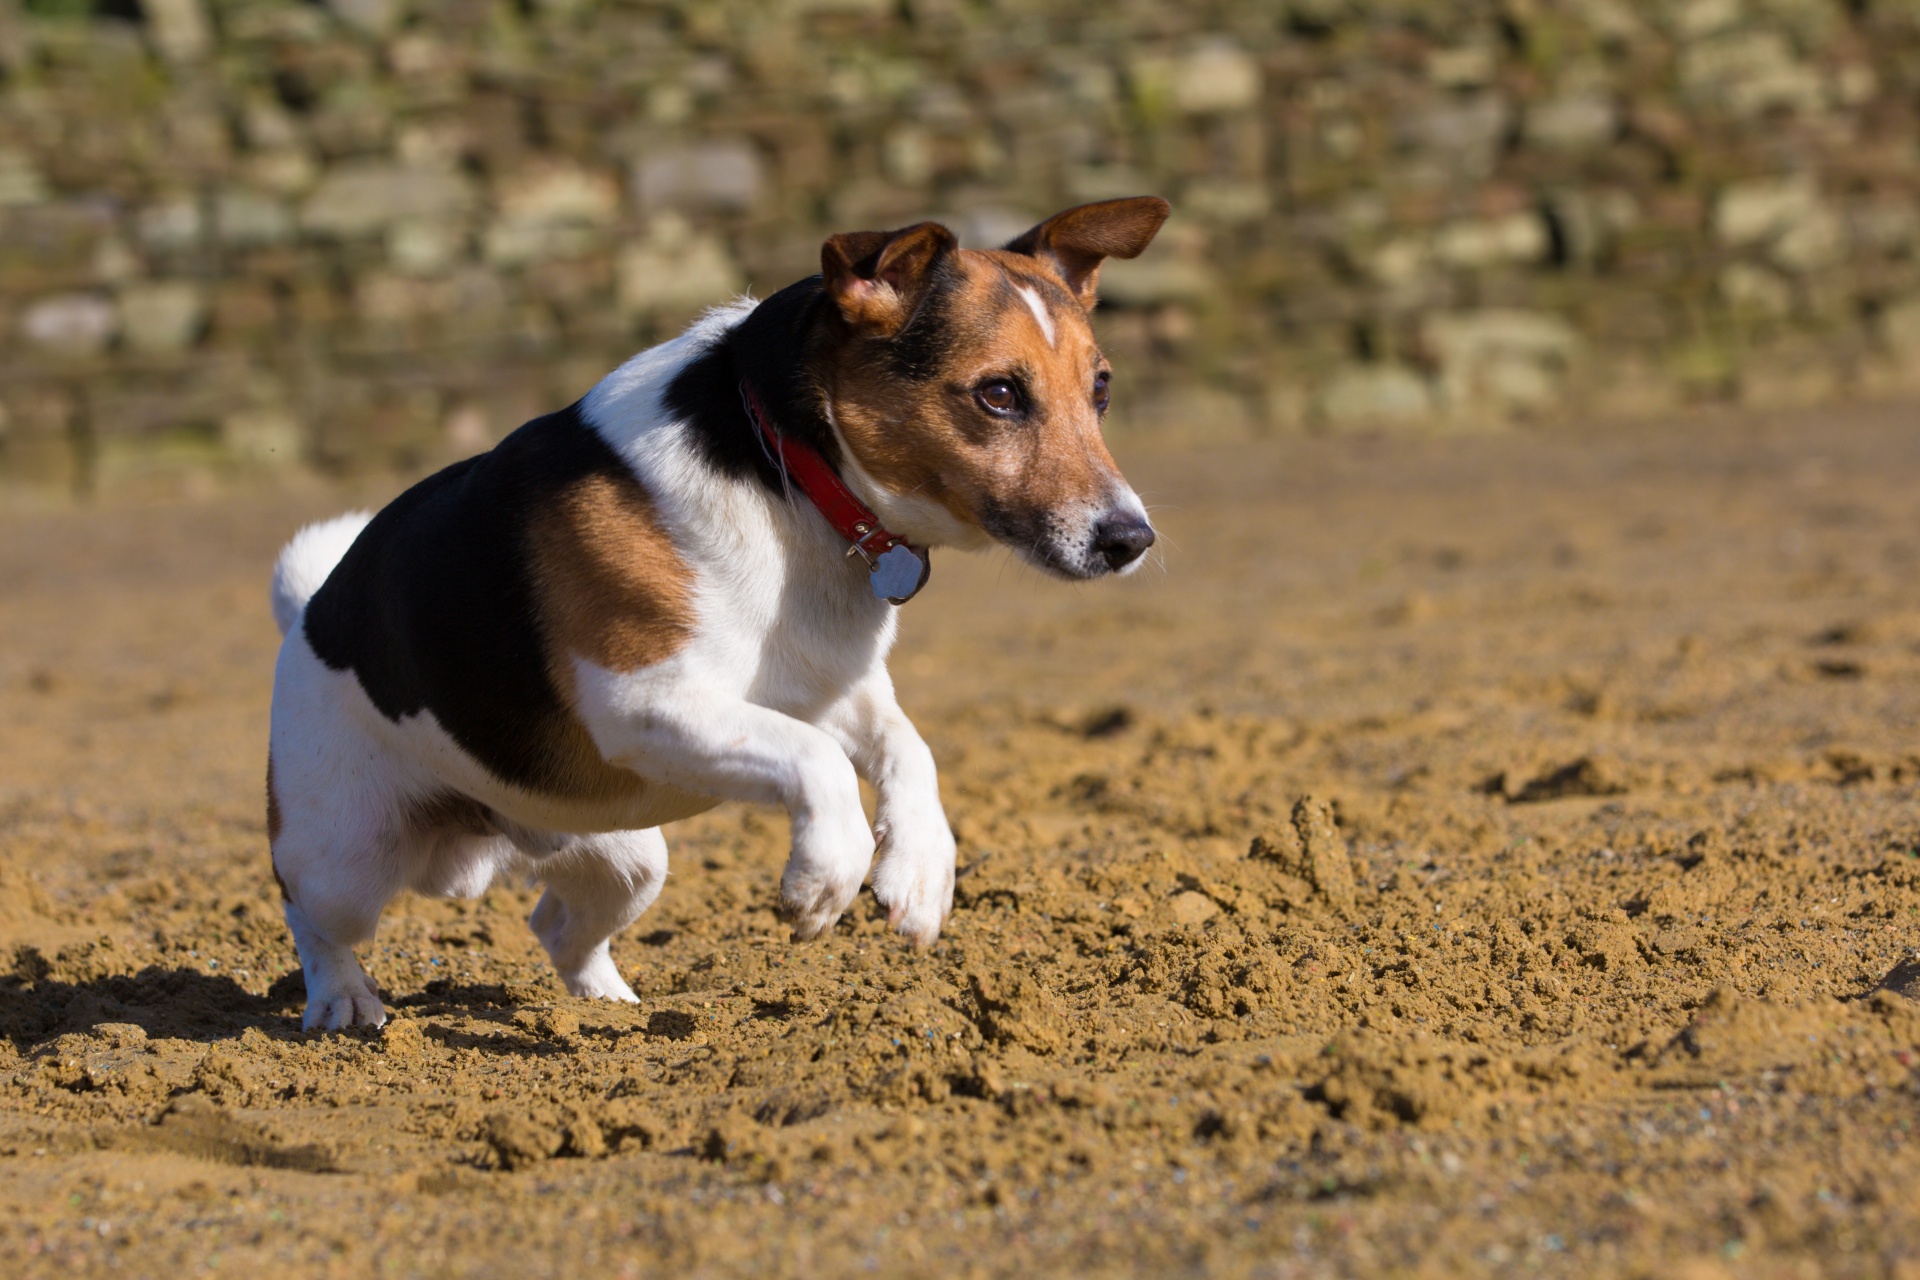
{"points": [[190, 1004], [186, 1004]]}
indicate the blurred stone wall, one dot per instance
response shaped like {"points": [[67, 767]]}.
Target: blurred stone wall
{"points": [[374, 233]]}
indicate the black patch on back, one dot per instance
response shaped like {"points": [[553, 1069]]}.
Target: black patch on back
{"points": [[433, 607]]}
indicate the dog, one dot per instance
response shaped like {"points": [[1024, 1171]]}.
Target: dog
{"points": [[682, 590]]}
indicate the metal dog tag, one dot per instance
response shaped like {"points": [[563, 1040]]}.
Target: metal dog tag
{"points": [[899, 572]]}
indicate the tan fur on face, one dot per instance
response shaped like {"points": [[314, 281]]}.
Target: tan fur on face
{"points": [[612, 589], [932, 441]]}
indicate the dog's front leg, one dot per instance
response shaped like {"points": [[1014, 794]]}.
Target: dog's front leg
{"points": [[714, 744], [914, 875]]}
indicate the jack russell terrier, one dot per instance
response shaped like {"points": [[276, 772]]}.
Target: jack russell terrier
{"points": [[682, 590]]}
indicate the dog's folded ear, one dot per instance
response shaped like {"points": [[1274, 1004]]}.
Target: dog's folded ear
{"points": [[1077, 241], [877, 278]]}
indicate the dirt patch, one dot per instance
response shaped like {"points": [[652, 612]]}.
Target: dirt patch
{"points": [[1465, 857]]}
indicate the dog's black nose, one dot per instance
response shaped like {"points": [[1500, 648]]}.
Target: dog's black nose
{"points": [[1120, 539]]}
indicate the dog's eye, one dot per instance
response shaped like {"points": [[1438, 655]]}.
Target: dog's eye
{"points": [[998, 397], [1100, 381]]}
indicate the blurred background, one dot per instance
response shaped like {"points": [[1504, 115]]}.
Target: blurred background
{"points": [[367, 235]]}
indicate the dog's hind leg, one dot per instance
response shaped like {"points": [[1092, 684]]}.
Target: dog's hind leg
{"points": [[337, 822], [597, 885], [339, 992], [338, 871]]}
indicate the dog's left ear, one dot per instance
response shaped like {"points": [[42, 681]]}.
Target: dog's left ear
{"points": [[1078, 241], [877, 278]]}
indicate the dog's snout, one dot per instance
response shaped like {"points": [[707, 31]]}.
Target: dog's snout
{"points": [[1121, 538]]}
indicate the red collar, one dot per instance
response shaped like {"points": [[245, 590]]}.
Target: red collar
{"points": [[898, 569]]}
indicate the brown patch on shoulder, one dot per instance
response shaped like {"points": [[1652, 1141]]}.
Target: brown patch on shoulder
{"points": [[610, 585]]}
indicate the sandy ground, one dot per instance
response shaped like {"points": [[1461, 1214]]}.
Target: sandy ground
{"points": [[1458, 857]]}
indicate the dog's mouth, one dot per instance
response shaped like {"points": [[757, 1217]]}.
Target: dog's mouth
{"points": [[1076, 544]]}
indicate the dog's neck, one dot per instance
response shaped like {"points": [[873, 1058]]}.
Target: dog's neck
{"points": [[774, 350]]}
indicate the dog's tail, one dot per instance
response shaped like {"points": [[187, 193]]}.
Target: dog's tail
{"points": [[307, 560]]}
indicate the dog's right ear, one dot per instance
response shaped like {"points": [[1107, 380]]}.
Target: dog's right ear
{"points": [[877, 278], [1078, 241]]}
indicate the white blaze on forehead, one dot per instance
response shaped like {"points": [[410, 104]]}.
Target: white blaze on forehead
{"points": [[1038, 308]]}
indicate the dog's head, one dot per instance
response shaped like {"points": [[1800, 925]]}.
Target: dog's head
{"points": [[968, 390]]}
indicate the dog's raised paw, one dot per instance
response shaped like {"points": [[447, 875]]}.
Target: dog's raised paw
{"points": [[917, 906], [808, 922], [813, 904], [922, 929], [823, 874]]}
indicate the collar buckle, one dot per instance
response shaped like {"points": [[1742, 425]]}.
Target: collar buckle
{"points": [[858, 547]]}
